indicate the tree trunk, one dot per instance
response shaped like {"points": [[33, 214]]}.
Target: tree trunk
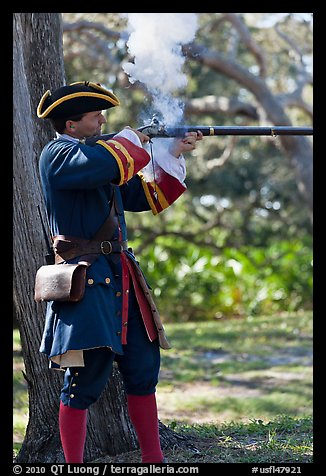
{"points": [[38, 66]]}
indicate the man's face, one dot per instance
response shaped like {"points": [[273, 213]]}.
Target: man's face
{"points": [[90, 125]]}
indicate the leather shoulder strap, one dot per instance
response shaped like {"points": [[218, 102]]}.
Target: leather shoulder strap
{"points": [[106, 231]]}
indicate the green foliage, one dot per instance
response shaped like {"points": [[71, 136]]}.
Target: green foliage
{"points": [[192, 283], [20, 393]]}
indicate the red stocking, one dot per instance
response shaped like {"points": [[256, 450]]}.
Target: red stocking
{"points": [[143, 414], [72, 425]]}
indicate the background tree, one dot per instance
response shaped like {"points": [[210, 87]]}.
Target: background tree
{"points": [[38, 66], [237, 46], [37, 41], [240, 240]]}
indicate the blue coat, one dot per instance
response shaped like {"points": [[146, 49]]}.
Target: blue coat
{"points": [[77, 182]]}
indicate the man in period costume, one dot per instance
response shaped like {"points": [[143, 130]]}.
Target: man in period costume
{"points": [[116, 319]]}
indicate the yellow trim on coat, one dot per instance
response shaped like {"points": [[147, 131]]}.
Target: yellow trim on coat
{"points": [[148, 194], [117, 158], [130, 160], [161, 197]]}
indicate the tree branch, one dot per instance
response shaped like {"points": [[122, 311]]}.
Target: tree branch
{"points": [[226, 154], [248, 40], [220, 105], [82, 25]]}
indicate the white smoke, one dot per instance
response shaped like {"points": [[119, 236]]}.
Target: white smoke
{"points": [[155, 43]]}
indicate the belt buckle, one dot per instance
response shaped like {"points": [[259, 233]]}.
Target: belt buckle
{"points": [[103, 244]]}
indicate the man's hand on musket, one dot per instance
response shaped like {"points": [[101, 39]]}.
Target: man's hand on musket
{"points": [[142, 137], [186, 144]]}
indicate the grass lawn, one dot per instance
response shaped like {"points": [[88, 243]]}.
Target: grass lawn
{"points": [[257, 368], [240, 389]]}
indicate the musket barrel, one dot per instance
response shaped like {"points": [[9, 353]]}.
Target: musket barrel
{"points": [[239, 131], [217, 131]]}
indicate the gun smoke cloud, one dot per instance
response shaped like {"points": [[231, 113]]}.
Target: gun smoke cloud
{"points": [[155, 44]]}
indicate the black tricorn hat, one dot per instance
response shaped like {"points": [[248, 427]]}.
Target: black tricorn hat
{"points": [[77, 98]]}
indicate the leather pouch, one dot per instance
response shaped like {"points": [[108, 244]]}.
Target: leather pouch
{"points": [[60, 282]]}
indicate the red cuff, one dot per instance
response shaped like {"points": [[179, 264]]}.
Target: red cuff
{"points": [[163, 192]]}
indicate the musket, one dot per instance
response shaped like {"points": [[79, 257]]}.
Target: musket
{"points": [[157, 129]]}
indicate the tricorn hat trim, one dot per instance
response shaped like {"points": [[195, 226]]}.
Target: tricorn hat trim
{"points": [[40, 105], [112, 99]]}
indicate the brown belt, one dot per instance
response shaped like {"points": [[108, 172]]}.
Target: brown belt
{"points": [[68, 247]]}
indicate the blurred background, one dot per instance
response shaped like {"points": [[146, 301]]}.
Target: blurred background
{"points": [[230, 263]]}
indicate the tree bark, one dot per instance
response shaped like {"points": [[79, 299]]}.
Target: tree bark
{"points": [[28, 243], [38, 66]]}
